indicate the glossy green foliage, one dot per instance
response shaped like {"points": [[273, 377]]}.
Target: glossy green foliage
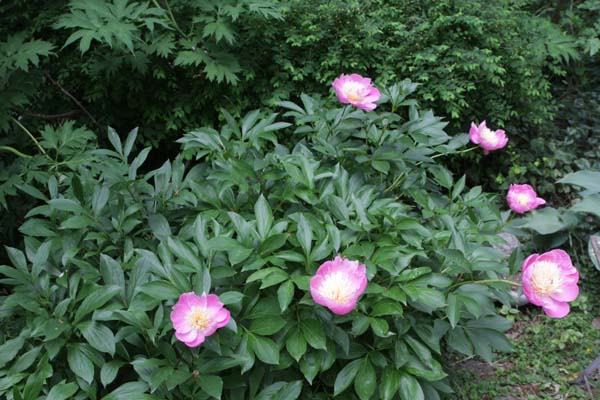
{"points": [[268, 198]]}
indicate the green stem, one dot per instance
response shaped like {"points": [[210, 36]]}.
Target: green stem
{"points": [[399, 178], [171, 17], [455, 152], [486, 281], [30, 135], [15, 151]]}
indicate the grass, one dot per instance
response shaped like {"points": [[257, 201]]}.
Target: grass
{"points": [[549, 354]]}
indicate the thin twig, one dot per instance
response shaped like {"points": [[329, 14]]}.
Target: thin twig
{"points": [[14, 151], [16, 121], [588, 371], [49, 117], [77, 102]]}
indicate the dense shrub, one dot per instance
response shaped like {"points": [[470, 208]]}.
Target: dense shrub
{"points": [[268, 199], [174, 64], [472, 58]]}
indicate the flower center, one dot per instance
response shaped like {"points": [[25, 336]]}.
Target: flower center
{"points": [[545, 277], [522, 199], [337, 287], [199, 319], [489, 136], [353, 91]]}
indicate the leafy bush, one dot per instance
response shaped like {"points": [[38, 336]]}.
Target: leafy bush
{"points": [[270, 198], [114, 55], [474, 59]]}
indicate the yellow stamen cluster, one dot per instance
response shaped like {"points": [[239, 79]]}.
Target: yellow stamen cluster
{"points": [[545, 277], [522, 199], [337, 287], [352, 91], [199, 319]]}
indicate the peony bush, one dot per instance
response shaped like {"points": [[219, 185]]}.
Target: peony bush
{"points": [[315, 253]]}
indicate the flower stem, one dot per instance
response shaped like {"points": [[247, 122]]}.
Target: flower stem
{"points": [[399, 178], [455, 152], [15, 151], [484, 281], [30, 135]]}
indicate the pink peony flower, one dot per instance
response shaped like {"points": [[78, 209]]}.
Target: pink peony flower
{"points": [[196, 317], [356, 90], [550, 281], [489, 140], [338, 284], [522, 198]]}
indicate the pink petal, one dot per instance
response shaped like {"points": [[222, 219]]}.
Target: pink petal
{"points": [[567, 292], [187, 336], [190, 299], [341, 309], [222, 317], [197, 342], [556, 309], [181, 322], [559, 257], [529, 261], [366, 107], [474, 133]]}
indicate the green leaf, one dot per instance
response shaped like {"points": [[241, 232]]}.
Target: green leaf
{"points": [[160, 226], [264, 217], [367, 381], [285, 293], [25, 360], [590, 180], [314, 334], [211, 384], [100, 198], [545, 221], [183, 252], [80, 364], [109, 371], [410, 388], [390, 383], [453, 310], [66, 205], [231, 297], [304, 234], [386, 307], [115, 140], [290, 391], [345, 377], [129, 391], [589, 204], [296, 344], [95, 300], [99, 337], [430, 297], [77, 222], [265, 349], [62, 391], [161, 290], [9, 349], [267, 326]]}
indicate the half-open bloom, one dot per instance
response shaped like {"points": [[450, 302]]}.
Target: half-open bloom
{"points": [[356, 90], [196, 317], [550, 281], [485, 137], [338, 284], [522, 198]]}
